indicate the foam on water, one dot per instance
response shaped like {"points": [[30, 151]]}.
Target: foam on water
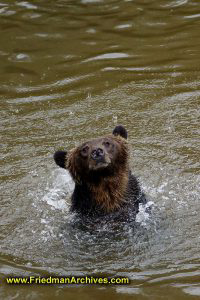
{"points": [[143, 215], [59, 190]]}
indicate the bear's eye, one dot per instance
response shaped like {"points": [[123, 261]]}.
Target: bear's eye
{"points": [[84, 150], [107, 144]]}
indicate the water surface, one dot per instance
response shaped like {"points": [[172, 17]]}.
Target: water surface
{"points": [[70, 71]]}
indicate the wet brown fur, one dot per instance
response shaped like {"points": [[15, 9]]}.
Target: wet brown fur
{"points": [[109, 193]]}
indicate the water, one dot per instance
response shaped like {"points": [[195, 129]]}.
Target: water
{"points": [[71, 71]]}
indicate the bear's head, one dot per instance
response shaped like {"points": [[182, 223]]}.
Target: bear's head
{"points": [[96, 159]]}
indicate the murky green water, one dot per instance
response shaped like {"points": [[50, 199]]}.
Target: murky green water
{"points": [[69, 71]]}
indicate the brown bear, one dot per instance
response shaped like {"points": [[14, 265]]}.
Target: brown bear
{"points": [[104, 183]]}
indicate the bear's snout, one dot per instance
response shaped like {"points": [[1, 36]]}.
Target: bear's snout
{"points": [[97, 154], [99, 158]]}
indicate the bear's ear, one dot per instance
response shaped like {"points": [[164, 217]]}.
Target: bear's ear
{"points": [[60, 158], [120, 130]]}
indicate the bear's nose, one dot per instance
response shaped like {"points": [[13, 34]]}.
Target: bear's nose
{"points": [[97, 153]]}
